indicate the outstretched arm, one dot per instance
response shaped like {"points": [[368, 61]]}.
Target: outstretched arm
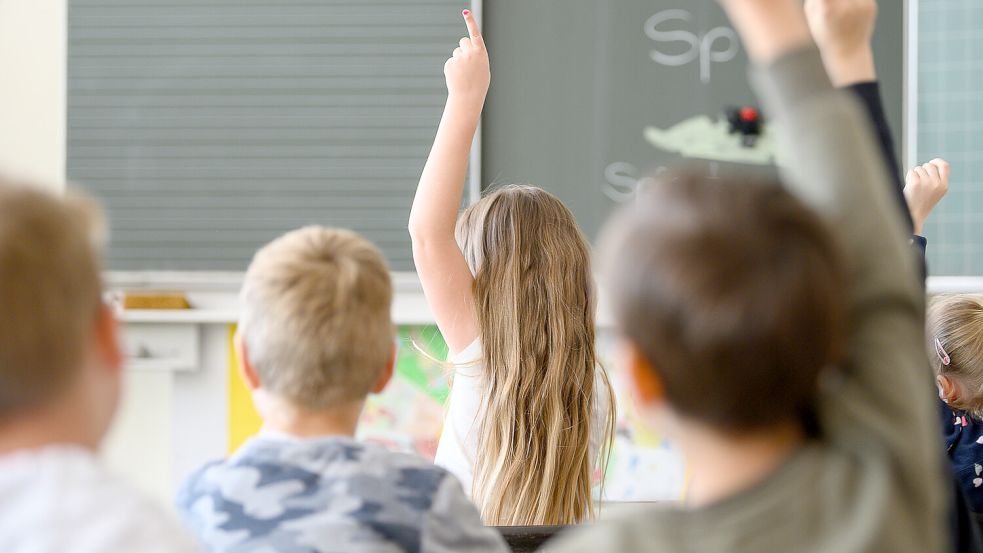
{"points": [[445, 275], [844, 31], [835, 168]]}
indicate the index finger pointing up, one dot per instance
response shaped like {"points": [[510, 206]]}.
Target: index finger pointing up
{"points": [[473, 29]]}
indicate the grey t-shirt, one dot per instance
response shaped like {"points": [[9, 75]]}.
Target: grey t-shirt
{"points": [[292, 495]]}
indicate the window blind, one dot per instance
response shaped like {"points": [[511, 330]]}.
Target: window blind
{"points": [[209, 127]]}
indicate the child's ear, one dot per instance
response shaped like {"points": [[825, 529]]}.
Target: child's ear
{"points": [[387, 373], [647, 387], [108, 339], [246, 369], [948, 391]]}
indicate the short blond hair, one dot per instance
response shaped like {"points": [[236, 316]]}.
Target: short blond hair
{"points": [[50, 291], [316, 316], [955, 338]]}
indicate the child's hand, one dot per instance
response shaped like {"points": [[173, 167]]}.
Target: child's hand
{"points": [[924, 188], [468, 72], [842, 26], [843, 30], [769, 29]]}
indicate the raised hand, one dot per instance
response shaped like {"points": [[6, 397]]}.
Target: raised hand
{"points": [[768, 28], [468, 72], [843, 30], [925, 186], [443, 271]]}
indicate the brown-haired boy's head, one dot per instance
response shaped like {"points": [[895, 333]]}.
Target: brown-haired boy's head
{"points": [[316, 329], [730, 293], [59, 356]]}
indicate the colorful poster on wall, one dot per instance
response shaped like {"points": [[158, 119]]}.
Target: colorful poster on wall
{"points": [[408, 416]]}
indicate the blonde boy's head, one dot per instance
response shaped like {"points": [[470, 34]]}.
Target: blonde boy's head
{"points": [[50, 293], [316, 317]]}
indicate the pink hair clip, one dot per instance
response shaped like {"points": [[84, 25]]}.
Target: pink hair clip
{"points": [[940, 351]]}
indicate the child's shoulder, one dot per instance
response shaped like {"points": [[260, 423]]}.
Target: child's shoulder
{"points": [[643, 529], [307, 465], [405, 470], [63, 483], [961, 430], [280, 489]]}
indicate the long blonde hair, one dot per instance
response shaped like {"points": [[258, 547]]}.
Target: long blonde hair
{"points": [[955, 346], [534, 300]]}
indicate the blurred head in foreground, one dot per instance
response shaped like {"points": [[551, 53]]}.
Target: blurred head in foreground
{"points": [[729, 294], [60, 361]]}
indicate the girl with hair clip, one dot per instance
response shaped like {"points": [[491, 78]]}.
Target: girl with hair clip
{"points": [[955, 342], [531, 413]]}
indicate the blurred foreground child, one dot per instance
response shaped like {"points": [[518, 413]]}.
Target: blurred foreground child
{"points": [[60, 376]]}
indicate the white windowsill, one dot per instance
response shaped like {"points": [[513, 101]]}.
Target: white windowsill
{"points": [[214, 295], [212, 281]]}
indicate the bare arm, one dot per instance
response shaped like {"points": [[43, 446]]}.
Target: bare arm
{"points": [[445, 276], [843, 30], [769, 29]]}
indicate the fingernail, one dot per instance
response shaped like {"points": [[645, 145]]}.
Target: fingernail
{"points": [[466, 13]]}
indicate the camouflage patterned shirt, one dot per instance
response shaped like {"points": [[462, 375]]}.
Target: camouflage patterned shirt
{"points": [[283, 494]]}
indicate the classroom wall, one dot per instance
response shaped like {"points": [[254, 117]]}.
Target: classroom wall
{"points": [[32, 90], [157, 437], [173, 421]]}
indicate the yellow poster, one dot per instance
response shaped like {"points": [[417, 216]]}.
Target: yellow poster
{"points": [[244, 421]]}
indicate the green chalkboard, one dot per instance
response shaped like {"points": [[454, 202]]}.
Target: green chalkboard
{"points": [[209, 127], [589, 95]]}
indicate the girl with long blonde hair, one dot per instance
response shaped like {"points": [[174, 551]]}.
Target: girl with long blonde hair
{"points": [[531, 413]]}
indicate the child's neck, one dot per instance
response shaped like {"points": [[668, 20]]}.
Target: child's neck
{"points": [[61, 422], [280, 416], [722, 465]]}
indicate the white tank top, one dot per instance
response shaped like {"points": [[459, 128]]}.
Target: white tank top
{"points": [[458, 445]]}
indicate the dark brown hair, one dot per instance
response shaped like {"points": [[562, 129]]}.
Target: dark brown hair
{"points": [[733, 291]]}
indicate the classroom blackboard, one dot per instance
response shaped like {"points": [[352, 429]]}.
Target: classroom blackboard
{"points": [[589, 95], [209, 127]]}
